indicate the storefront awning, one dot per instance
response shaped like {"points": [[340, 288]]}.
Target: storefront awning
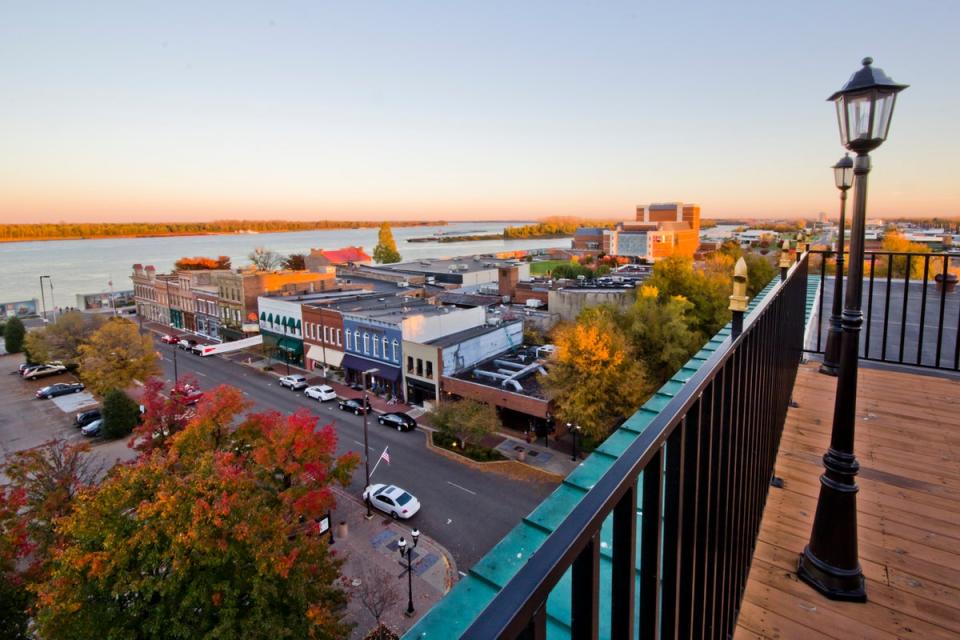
{"points": [[291, 346], [316, 353], [386, 372]]}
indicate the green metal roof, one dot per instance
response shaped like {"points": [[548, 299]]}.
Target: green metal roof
{"points": [[451, 616]]}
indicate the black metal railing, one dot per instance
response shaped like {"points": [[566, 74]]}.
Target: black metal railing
{"points": [[699, 476], [911, 310]]}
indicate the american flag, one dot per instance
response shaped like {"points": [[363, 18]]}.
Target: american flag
{"points": [[385, 456]]}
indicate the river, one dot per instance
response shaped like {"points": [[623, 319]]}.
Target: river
{"points": [[88, 266]]}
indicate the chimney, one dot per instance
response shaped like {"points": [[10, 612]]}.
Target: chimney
{"points": [[507, 278]]}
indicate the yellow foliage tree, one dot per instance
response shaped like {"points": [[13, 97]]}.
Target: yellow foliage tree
{"points": [[593, 380], [115, 356]]}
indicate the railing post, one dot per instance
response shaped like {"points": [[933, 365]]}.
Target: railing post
{"points": [[739, 299], [830, 563], [785, 260]]}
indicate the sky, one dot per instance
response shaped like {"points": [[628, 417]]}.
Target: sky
{"points": [[137, 111]]}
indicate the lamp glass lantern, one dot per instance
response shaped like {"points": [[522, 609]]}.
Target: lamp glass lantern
{"points": [[865, 107], [843, 172]]}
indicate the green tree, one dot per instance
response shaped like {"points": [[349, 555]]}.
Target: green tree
{"points": [[115, 356], [467, 420], [660, 334], [707, 289], [61, 340], [211, 538], [13, 334], [35, 347], [295, 262], [760, 271], [593, 379], [386, 250], [120, 414]]}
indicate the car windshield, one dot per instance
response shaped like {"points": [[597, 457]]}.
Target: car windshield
{"points": [[404, 498], [381, 490]]}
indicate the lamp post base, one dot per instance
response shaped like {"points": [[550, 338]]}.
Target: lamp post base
{"points": [[832, 582]]}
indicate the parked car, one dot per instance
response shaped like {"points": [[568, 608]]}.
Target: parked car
{"points": [[392, 500], [170, 339], [59, 389], [186, 344], [295, 382], [44, 370], [24, 366], [196, 349], [92, 429], [187, 395], [84, 418], [397, 420], [320, 393], [354, 405]]}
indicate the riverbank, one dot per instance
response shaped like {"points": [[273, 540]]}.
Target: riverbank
{"points": [[489, 236]]}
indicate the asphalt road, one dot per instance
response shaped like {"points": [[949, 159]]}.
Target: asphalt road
{"points": [[465, 510]]}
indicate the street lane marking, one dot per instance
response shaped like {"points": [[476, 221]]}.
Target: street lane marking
{"points": [[200, 374], [454, 484], [359, 443]]}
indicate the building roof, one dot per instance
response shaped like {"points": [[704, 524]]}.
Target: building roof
{"points": [[467, 299], [463, 336], [462, 264], [342, 256], [523, 359]]}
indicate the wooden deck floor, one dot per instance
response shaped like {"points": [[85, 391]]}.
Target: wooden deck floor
{"points": [[908, 446]]}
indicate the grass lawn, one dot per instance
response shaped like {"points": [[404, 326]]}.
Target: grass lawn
{"points": [[540, 267]]}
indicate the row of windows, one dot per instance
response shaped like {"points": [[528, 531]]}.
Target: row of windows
{"points": [[373, 344], [419, 369], [331, 335]]}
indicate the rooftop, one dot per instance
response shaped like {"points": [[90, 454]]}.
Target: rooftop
{"points": [[466, 334], [462, 264], [494, 371], [908, 513]]}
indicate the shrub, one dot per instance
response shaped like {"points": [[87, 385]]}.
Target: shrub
{"points": [[120, 414], [13, 335], [475, 452]]}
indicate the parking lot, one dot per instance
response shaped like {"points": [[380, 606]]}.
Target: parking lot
{"points": [[26, 422]]}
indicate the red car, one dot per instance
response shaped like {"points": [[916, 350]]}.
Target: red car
{"points": [[188, 395], [170, 339]]}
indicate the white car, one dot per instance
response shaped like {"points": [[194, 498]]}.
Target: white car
{"points": [[44, 370], [392, 500], [92, 429], [320, 393], [294, 382]]}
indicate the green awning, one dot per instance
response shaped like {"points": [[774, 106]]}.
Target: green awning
{"points": [[291, 346]]}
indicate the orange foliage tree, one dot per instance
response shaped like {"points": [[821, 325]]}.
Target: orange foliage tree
{"points": [[210, 535], [201, 263]]}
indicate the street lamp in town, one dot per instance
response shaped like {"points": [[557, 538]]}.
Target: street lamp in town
{"points": [[366, 442], [843, 177], [574, 430], [406, 553], [830, 563]]}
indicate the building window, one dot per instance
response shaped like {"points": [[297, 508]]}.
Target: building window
{"points": [[349, 346], [385, 356], [366, 342], [396, 350], [376, 347], [409, 364], [429, 369], [338, 338], [419, 367], [356, 340]]}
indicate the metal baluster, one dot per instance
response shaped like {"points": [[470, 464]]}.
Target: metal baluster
{"points": [[923, 307], [886, 307], [650, 548], [943, 304], [673, 533], [585, 591], [866, 344], [903, 310], [691, 506], [624, 564]]}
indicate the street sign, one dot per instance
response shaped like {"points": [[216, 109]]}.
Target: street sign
{"points": [[323, 524]]}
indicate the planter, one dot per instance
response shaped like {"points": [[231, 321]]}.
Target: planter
{"points": [[950, 282]]}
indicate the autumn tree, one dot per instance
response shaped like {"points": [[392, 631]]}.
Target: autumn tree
{"points": [[13, 334], [14, 546], [116, 355], [201, 263], [35, 347], [896, 242], [120, 414], [593, 380], [61, 340], [212, 538], [467, 420], [377, 593], [760, 271], [295, 262], [164, 413], [265, 259], [386, 250]]}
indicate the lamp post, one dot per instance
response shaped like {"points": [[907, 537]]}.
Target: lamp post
{"points": [[574, 431], [829, 563], [366, 443], [407, 554], [843, 177], [43, 298]]}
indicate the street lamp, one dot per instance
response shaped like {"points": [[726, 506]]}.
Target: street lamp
{"points": [[366, 444], [574, 430], [829, 563], [407, 554], [843, 177], [43, 298]]}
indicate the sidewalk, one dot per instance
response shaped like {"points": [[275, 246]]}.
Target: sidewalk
{"points": [[370, 551], [550, 459]]}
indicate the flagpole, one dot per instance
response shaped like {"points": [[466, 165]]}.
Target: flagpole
{"points": [[379, 459]]}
